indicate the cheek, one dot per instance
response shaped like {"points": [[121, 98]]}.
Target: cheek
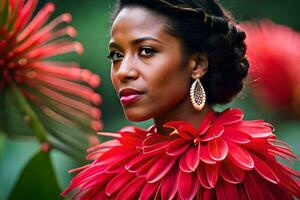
{"points": [[166, 95], [171, 84], [174, 89], [113, 78], [171, 74]]}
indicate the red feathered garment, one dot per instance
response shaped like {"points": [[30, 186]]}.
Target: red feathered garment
{"points": [[226, 157]]}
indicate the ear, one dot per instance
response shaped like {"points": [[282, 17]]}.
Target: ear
{"points": [[198, 65]]}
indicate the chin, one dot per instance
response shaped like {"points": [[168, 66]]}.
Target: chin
{"points": [[136, 116]]}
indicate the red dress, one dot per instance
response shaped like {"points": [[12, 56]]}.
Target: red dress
{"points": [[226, 157]]}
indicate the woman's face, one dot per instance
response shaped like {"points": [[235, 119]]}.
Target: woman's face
{"points": [[147, 68]]}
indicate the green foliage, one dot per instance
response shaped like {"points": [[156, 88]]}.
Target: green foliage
{"points": [[37, 180], [2, 113], [4, 15], [14, 155], [11, 117]]}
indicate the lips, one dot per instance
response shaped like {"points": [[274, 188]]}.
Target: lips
{"points": [[129, 95]]}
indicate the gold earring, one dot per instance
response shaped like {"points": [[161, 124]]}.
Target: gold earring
{"points": [[197, 94]]}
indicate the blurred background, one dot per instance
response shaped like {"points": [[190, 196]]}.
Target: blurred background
{"points": [[90, 18]]}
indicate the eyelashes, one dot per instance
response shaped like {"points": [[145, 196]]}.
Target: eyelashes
{"points": [[147, 51], [115, 56], [144, 51]]}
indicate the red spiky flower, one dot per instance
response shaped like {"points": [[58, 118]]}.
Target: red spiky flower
{"points": [[274, 54], [61, 91], [226, 157]]}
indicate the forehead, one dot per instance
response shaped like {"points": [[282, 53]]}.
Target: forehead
{"points": [[137, 21]]}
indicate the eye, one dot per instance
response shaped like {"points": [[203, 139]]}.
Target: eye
{"points": [[147, 51], [115, 56]]}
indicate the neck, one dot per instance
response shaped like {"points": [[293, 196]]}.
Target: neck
{"points": [[183, 112]]}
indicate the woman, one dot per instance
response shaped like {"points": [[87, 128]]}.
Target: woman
{"points": [[171, 61]]}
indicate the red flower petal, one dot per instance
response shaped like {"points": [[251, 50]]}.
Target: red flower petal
{"points": [[212, 174], [98, 150], [264, 170], [113, 155], [149, 191], [279, 143], [92, 194], [131, 191], [226, 191], [255, 128], [99, 181], [188, 128], [183, 164], [177, 147], [133, 130], [160, 168], [276, 153], [256, 189], [206, 122], [144, 169], [37, 22], [155, 139], [217, 149], [187, 185], [230, 116], [155, 148], [202, 176], [185, 129], [205, 194], [119, 182], [25, 14], [205, 156], [137, 162], [291, 171], [240, 157], [235, 135], [214, 131], [242, 193], [193, 157], [235, 171], [119, 166], [279, 192], [284, 151], [258, 145], [169, 184], [155, 144], [226, 174], [285, 181], [96, 170]]}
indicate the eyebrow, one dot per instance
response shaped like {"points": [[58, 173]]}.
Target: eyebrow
{"points": [[133, 42]]}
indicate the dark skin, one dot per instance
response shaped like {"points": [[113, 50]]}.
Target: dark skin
{"points": [[145, 57]]}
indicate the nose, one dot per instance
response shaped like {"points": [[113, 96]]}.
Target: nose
{"points": [[127, 70]]}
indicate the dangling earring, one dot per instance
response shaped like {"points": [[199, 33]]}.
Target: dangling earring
{"points": [[198, 96]]}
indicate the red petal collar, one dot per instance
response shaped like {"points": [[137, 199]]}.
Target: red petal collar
{"points": [[225, 157]]}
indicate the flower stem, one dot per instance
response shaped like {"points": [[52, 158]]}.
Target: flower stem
{"points": [[34, 122]]}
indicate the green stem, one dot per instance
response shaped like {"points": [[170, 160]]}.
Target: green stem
{"points": [[76, 155], [34, 122]]}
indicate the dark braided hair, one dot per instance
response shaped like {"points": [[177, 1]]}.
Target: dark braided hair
{"points": [[204, 25]]}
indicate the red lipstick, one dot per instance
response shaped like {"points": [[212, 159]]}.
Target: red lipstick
{"points": [[129, 96]]}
